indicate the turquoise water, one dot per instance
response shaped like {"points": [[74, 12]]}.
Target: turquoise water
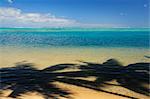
{"points": [[75, 38], [46, 47]]}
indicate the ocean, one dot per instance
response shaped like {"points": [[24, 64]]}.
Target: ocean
{"points": [[45, 47], [74, 38]]}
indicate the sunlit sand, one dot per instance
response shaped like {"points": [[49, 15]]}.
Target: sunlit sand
{"points": [[44, 57]]}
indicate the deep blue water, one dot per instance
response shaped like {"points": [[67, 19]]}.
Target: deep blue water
{"points": [[82, 38]]}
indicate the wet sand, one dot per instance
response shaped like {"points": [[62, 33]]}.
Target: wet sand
{"points": [[44, 57]]}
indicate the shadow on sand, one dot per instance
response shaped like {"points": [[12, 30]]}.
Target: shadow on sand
{"points": [[26, 78]]}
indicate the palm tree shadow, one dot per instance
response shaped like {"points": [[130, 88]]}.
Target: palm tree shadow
{"points": [[103, 72], [25, 78], [132, 77], [135, 77]]}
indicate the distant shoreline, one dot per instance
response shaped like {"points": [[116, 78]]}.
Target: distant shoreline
{"points": [[72, 29]]}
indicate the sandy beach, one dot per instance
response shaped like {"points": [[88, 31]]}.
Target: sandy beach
{"points": [[44, 57], [47, 48], [74, 49], [82, 93]]}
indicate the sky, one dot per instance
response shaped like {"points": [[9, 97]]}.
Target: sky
{"points": [[74, 13]]}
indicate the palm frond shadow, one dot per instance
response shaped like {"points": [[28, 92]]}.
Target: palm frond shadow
{"points": [[25, 78], [132, 77]]}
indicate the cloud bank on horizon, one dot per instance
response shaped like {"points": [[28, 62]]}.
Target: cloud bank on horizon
{"points": [[13, 17]]}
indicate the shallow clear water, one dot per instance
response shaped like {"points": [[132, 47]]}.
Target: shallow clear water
{"points": [[76, 38], [48, 47]]}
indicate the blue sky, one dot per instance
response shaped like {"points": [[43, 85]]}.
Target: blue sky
{"points": [[74, 13]]}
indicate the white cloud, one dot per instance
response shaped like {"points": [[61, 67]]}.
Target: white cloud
{"points": [[12, 17], [10, 1]]}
